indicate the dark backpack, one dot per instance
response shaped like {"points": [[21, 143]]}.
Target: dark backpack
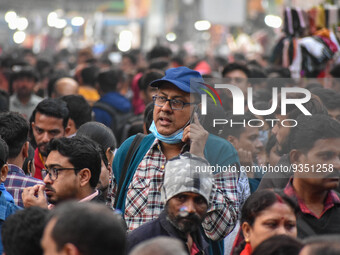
{"points": [[121, 122]]}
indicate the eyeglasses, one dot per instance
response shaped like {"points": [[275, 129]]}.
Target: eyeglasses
{"points": [[174, 103], [53, 172]]}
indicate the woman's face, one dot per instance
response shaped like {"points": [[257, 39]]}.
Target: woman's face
{"points": [[275, 220]]}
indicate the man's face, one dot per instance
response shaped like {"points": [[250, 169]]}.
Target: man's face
{"points": [[104, 178], [168, 121], [281, 133], [45, 128], [23, 86], [321, 165], [67, 184], [249, 141], [48, 245], [186, 211], [237, 78]]}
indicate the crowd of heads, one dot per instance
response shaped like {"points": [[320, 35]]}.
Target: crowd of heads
{"points": [[57, 127]]}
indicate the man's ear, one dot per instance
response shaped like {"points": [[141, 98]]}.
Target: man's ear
{"points": [[233, 140], [109, 155], [67, 129], [3, 173], [25, 148], [70, 249], [295, 156], [85, 176]]}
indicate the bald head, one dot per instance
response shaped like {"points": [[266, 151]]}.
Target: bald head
{"points": [[65, 87]]}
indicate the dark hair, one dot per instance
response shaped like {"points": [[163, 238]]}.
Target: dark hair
{"points": [[23, 72], [335, 71], [148, 77], [159, 51], [29, 159], [271, 143], [79, 109], [99, 133], [235, 66], [91, 227], [108, 80], [53, 107], [81, 152], [89, 75], [279, 245], [14, 130], [312, 128], [260, 200], [314, 106], [4, 101], [159, 64], [132, 57], [236, 130], [313, 85], [148, 116], [329, 98], [3, 152], [22, 231]]}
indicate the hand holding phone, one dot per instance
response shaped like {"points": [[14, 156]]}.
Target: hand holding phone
{"points": [[196, 135]]}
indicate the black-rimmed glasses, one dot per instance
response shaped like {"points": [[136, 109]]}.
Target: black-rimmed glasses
{"points": [[53, 172], [174, 103]]}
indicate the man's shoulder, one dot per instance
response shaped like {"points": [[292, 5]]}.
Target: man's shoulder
{"points": [[17, 176], [7, 208], [146, 231], [36, 99], [219, 150]]}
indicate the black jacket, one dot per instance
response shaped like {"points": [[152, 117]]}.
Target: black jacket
{"points": [[162, 227]]}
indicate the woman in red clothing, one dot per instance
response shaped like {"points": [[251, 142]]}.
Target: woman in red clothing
{"points": [[264, 214]]}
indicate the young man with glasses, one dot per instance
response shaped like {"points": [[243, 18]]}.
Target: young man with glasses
{"points": [[72, 171], [173, 133]]}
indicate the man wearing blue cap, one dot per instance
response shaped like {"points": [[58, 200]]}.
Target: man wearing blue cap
{"points": [[172, 134]]}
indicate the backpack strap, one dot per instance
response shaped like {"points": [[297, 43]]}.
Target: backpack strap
{"points": [[133, 148], [109, 109]]}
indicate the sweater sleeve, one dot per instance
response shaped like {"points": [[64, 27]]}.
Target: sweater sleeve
{"points": [[222, 214]]}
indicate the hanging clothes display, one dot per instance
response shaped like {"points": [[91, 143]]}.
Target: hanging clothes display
{"points": [[309, 42]]}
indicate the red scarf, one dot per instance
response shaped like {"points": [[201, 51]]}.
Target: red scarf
{"points": [[247, 250]]}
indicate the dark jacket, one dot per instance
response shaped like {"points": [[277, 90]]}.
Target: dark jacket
{"points": [[277, 180], [117, 101], [162, 227]]}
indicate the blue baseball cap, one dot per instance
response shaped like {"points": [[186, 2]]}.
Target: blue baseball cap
{"points": [[181, 77]]}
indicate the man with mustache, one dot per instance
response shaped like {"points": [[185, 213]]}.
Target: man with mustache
{"points": [[186, 192], [49, 120], [315, 159], [175, 129], [73, 166]]}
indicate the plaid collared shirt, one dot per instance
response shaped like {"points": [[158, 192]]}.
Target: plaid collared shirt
{"points": [[144, 203], [16, 181], [330, 201]]}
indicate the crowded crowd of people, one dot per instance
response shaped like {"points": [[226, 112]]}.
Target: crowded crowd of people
{"points": [[165, 153]]}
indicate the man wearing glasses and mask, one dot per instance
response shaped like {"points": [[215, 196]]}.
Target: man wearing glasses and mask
{"points": [[72, 170], [175, 129]]}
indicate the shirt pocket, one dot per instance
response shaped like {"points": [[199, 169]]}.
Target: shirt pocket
{"points": [[137, 197]]}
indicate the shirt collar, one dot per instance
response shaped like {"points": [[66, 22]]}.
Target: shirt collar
{"points": [[330, 201], [90, 197], [15, 168]]}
